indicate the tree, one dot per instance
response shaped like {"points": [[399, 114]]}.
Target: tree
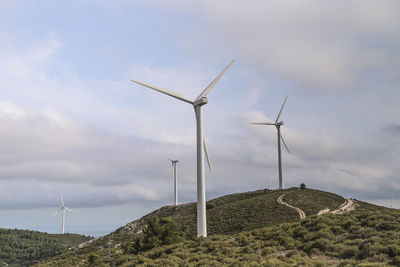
{"points": [[93, 259], [159, 231], [303, 186]]}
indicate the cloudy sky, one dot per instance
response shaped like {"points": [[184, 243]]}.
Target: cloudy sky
{"points": [[71, 121]]}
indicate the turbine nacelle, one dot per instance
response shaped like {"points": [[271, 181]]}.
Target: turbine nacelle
{"points": [[279, 124], [201, 101]]}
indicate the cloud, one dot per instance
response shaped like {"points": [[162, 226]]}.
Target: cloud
{"points": [[320, 46], [393, 128], [102, 141]]}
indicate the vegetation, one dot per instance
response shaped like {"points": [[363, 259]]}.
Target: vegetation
{"points": [[303, 186], [227, 215], [24, 248], [368, 236], [158, 232], [312, 201]]}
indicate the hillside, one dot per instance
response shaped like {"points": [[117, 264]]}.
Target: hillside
{"points": [[24, 247], [368, 236], [228, 215]]}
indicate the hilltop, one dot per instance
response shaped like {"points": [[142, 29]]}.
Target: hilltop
{"points": [[24, 247], [242, 224]]}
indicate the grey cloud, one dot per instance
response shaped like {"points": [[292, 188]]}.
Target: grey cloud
{"points": [[320, 48], [393, 128]]}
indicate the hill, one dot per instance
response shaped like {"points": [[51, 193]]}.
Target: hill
{"points": [[25, 248], [227, 217]]}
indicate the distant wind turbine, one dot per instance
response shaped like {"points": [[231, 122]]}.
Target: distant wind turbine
{"points": [[201, 146], [174, 162], [62, 209], [278, 125]]}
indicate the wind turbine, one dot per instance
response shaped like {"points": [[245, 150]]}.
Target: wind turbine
{"points": [[278, 125], [201, 146], [62, 209], [174, 162]]}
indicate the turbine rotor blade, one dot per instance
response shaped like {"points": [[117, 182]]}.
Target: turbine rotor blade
{"points": [[69, 209], [280, 112], [283, 141], [57, 212], [169, 158], [263, 123], [173, 94], [214, 82], [206, 152], [62, 200]]}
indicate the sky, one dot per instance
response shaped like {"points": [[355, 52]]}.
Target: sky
{"points": [[72, 122]]}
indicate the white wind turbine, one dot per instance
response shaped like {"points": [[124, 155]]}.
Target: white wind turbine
{"points": [[201, 146], [278, 125], [62, 209], [174, 162]]}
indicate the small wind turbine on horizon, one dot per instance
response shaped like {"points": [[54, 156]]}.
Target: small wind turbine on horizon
{"points": [[201, 145], [174, 162], [278, 125], [62, 209]]}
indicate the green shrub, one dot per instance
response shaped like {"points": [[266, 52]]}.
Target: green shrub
{"points": [[93, 260], [348, 252], [393, 251], [395, 261], [158, 232]]}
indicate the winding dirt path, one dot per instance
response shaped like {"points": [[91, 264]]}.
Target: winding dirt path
{"points": [[324, 211], [302, 214], [347, 206]]}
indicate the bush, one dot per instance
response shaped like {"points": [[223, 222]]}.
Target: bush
{"points": [[348, 252], [303, 186], [396, 261], [158, 232], [93, 259], [393, 251]]}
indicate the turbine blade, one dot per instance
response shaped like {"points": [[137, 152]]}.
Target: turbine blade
{"points": [[283, 141], [206, 152], [69, 209], [173, 94], [280, 112], [214, 82], [62, 200], [263, 123], [57, 212], [169, 158]]}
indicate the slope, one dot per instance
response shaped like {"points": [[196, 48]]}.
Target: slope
{"points": [[24, 247], [226, 215]]}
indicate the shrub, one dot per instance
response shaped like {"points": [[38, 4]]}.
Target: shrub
{"points": [[93, 259], [395, 261], [159, 232], [303, 186], [348, 252], [393, 251]]}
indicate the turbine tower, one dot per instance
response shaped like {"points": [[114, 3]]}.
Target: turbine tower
{"points": [[62, 209], [174, 162], [201, 146], [278, 125]]}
